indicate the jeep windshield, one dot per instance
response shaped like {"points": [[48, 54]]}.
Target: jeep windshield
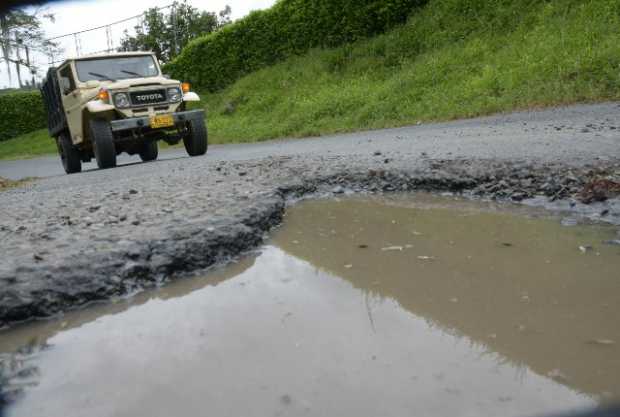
{"points": [[116, 68]]}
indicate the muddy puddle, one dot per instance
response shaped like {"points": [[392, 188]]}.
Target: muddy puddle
{"points": [[420, 306]]}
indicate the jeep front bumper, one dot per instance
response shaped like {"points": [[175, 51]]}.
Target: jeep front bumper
{"points": [[145, 122]]}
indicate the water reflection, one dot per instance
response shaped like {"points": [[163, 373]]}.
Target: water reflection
{"points": [[32, 336], [518, 285], [325, 322]]}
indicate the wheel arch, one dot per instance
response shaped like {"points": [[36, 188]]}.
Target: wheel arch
{"points": [[107, 114]]}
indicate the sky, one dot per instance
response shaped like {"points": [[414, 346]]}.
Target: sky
{"points": [[73, 16]]}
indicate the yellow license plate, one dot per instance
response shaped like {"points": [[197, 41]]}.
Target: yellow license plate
{"points": [[164, 120]]}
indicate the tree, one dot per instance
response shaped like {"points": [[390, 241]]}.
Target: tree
{"points": [[20, 35], [167, 33]]}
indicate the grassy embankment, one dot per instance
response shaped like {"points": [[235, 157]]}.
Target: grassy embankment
{"points": [[29, 145], [453, 59]]}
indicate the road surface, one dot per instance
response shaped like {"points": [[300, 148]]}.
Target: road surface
{"points": [[67, 240], [569, 134]]}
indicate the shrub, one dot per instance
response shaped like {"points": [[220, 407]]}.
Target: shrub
{"points": [[290, 27], [21, 113], [453, 59]]}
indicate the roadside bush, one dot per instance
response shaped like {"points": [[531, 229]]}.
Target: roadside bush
{"points": [[290, 27], [452, 59], [21, 113]]}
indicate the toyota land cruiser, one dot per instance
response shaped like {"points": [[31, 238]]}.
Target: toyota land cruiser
{"points": [[102, 105]]}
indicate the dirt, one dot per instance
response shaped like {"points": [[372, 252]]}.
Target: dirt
{"points": [[401, 305], [6, 183]]}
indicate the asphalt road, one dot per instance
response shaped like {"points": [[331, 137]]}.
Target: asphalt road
{"points": [[575, 134]]}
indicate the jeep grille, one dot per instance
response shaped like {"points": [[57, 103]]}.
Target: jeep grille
{"points": [[140, 98]]}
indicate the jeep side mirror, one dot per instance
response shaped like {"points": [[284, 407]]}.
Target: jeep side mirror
{"points": [[166, 76]]}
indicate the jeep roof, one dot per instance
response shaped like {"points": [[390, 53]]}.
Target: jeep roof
{"points": [[105, 55]]}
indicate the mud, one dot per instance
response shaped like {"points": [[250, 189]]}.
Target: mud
{"points": [[6, 183], [356, 306]]}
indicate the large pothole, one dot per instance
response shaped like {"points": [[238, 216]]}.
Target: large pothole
{"points": [[360, 306]]}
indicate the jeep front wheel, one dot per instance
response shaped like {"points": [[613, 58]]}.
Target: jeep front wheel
{"points": [[69, 154], [149, 151], [195, 140], [103, 143]]}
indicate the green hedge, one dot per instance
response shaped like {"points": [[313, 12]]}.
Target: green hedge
{"points": [[21, 113], [289, 27]]}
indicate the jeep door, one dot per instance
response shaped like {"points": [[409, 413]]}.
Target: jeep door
{"points": [[71, 101]]}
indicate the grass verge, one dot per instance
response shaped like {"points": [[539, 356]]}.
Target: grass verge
{"points": [[453, 59], [26, 146], [37, 143]]}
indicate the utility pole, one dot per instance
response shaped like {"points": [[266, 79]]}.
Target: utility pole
{"points": [[6, 45], [174, 28], [109, 39], [18, 42], [78, 49], [30, 66]]}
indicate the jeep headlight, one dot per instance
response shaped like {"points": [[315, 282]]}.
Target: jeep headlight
{"points": [[174, 95], [121, 100]]}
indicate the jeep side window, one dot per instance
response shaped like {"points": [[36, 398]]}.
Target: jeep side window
{"points": [[67, 83]]}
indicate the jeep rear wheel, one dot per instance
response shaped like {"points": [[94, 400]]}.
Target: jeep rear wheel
{"points": [[69, 154], [195, 140], [103, 143], [149, 151]]}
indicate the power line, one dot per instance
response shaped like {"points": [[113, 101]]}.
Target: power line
{"points": [[109, 24], [78, 41], [57, 61]]}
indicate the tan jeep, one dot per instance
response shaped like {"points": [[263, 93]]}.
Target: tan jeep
{"points": [[101, 105]]}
